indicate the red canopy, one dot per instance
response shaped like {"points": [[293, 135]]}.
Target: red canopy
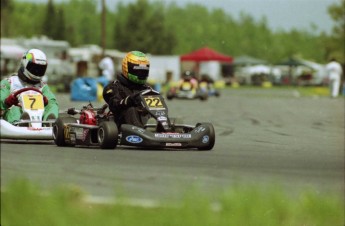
{"points": [[206, 54]]}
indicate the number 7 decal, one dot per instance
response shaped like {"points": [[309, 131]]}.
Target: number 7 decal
{"points": [[33, 102]]}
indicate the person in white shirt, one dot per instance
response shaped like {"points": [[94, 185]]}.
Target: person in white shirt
{"points": [[334, 72], [106, 65]]}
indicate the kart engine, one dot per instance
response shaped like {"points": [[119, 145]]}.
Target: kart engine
{"points": [[88, 117]]}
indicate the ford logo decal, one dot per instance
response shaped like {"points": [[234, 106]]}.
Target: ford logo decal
{"points": [[134, 139]]}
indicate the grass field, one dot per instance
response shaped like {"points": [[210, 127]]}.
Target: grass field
{"points": [[24, 204]]}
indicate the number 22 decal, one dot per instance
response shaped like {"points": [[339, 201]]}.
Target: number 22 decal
{"points": [[153, 102]]}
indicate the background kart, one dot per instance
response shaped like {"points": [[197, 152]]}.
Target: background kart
{"points": [[96, 127], [30, 126], [209, 89], [185, 91]]}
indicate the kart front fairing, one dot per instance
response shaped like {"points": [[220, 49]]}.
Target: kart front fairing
{"points": [[200, 137], [9, 131], [31, 102]]}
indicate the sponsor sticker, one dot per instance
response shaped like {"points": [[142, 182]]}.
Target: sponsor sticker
{"points": [[173, 135], [140, 130], [200, 129], [159, 113], [34, 129], [162, 118], [134, 139], [173, 144], [205, 139], [79, 133]]}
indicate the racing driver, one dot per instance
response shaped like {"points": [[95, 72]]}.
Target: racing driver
{"points": [[121, 95], [33, 66]]}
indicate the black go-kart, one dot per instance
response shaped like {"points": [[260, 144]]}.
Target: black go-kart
{"points": [[96, 127]]}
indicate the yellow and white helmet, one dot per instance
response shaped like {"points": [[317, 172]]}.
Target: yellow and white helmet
{"points": [[135, 67]]}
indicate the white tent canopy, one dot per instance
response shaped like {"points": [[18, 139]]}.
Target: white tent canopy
{"points": [[258, 69]]}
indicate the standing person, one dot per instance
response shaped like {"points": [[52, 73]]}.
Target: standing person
{"points": [[33, 66], [121, 95], [334, 72], [106, 65]]}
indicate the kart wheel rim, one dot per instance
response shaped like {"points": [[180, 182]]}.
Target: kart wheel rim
{"points": [[100, 135]]}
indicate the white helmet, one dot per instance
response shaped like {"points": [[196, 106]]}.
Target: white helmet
{"points": [[33, 66]]}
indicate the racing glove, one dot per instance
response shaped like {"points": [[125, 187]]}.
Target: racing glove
{"points": [[11, 100], [132, 100], [45, 100]]}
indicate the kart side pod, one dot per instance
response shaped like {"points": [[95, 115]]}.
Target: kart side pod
{"points": [[201, 137]]}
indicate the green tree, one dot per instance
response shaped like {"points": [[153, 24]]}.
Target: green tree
{"points": [[25, 19], [7, 7], [49, 22], [142, 27], [83, 25], [335, 44], [60, 27]]}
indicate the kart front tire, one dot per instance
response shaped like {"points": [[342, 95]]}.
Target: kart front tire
{"points": [[211, 134], [59, 130], [107, 135]]}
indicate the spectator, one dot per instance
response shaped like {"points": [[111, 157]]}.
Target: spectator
{"points": [[106, 65], [334, 72]]}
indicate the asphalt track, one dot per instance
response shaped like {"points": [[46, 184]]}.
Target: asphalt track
{"points": [[263, 136]]}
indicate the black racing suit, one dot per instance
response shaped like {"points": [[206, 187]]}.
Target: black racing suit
{"points": [[116, 96]]}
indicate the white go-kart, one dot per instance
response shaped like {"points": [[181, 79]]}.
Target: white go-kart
{"points": [[30, 126]]}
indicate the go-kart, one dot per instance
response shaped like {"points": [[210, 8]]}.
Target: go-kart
{"points": [[30, 126], [186, 91], [96, 127], [208, 88]]}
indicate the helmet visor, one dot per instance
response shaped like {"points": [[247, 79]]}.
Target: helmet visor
{"points": [[141, 71], [36, 69]]}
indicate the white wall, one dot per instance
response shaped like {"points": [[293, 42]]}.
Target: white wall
{"points": [[212, 68], [160, 65]]}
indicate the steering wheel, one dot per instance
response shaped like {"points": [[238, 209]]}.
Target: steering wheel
{"points": [[26, 89], [16, 94]]}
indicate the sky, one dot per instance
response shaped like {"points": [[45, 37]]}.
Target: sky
{"points": [[280, 14]]}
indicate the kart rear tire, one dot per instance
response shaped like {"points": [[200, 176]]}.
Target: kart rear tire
{"points": [[203, 96], [212, 136], [59, 130], [170, 96], [107, 135]]}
